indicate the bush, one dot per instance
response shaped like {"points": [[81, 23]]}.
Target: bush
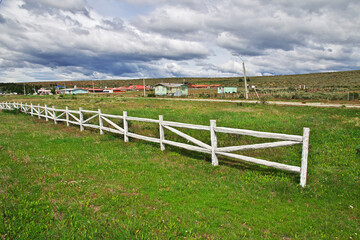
{"points": [[151, 95], [357, 149]]}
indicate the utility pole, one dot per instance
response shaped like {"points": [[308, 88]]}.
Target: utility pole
{"points": [[245, 81], [144, 85], [24, 90], [246, 89]]}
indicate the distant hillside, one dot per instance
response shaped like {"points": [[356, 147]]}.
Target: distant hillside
{"points": [[347, 79]]}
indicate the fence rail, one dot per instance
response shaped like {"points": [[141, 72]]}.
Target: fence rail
{"points": [[77, 117]]}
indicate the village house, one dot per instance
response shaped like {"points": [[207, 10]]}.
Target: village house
{"points": [[171, 89], [227, 90], [73, 91]]}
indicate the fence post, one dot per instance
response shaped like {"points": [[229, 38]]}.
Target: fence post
{"points": [[126, 126], [67, 115], [31, 109], [214, 159], [161, 129], [304, 158], [81, 118], [39, 111], [54, 113], [100, 122], [46, 113]]}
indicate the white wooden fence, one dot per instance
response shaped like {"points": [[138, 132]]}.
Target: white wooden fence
{"points": [[76, 117]]}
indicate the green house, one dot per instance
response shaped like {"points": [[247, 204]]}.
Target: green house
{"points": [[171, 89], [73, 91], [227, 89]]}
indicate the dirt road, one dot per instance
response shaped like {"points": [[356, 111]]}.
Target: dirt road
{"points": [[301, 104]]}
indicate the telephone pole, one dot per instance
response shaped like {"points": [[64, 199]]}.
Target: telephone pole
{"points": [[245, 81]]}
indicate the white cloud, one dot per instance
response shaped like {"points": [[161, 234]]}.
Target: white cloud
{"points": [[64, 4], [68, 39]]}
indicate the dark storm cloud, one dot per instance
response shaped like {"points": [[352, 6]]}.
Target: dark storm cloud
{"points": [[178, 38], [43, 34], [2, 19]]}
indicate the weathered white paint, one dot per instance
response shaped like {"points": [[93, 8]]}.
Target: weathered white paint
{"points": [[89, 111], [149, 139], [121, 130], [100, 122], [112, 116], [74, 117], [187, 146], [91, 126], [46, 114], [262, 162], [304, 157], [259, 134], [126, 127], [81, 118], [67, 115], [39, 111], [186, 125], [142, 119], [92, 117], [54, 113], [257, 146], [189, 138], [214, 158], [112, 130], [161, 132]]}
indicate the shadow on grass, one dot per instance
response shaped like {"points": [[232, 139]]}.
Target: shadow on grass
{"points": [[231, 163]]}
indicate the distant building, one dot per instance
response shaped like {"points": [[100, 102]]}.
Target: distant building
{"points": [[227, 90], [108, 90], [43, 91], [137, 88], [199, 86], [73, 91], [95, 90], [171, 89]]}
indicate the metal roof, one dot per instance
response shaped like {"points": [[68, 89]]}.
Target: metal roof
{"points": [[170, 85]]}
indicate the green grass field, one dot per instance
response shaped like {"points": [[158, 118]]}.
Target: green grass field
{"points": [[328, 86], [60, 183]]}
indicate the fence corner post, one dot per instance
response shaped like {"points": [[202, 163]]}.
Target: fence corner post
{"points": [[125, 126], [31, 109], [81, 118], [161, 130], [100, 122], [304, 157], [214, 158], [46, 113], [67, 115], [39, 115], [54, 113]]}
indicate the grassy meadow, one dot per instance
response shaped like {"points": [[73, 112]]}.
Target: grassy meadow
{"points": [[343, 87], [59, 183]]}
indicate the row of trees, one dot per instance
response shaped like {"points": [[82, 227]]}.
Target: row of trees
{"points": [[19, 88]]}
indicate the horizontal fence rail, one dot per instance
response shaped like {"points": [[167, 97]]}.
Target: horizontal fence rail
{"points": [[96, 119]]}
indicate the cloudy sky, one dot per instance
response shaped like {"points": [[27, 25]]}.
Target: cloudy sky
{"points": [[47, 40]]}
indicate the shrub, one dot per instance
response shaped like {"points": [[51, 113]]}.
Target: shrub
{"points": [[357, 149]]}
